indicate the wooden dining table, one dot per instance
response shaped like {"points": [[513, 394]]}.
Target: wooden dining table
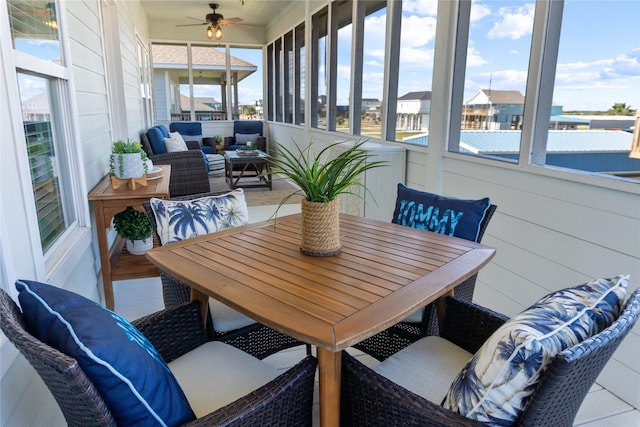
{"points": [[384, 273]]}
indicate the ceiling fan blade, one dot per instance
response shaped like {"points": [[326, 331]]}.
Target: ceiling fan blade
{"points": [[191, 17], [192, 25], [231, 24], [230, 20]]}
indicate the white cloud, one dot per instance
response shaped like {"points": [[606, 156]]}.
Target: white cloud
{"points": [[417, 31], [513, 23], [474, 59], [420, 7]]}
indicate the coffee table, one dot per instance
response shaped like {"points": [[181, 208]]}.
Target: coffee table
{"points": [[243, 166]]}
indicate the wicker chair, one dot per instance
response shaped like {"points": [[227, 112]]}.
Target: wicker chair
{"points": [[188, 168], [402, 334], [286, 400], [369, 399], [254, 338]]}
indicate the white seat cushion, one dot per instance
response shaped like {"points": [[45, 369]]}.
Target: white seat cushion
{"points": [[427, 367], [227, 319], [216, 374]]}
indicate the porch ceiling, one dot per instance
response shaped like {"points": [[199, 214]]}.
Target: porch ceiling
{"points": [[252, 12]]}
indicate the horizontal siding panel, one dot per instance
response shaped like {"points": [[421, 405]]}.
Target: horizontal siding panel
{"points": [[89, 81]]}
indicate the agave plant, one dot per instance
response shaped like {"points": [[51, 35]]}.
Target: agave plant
{"points": [[323, 177]]}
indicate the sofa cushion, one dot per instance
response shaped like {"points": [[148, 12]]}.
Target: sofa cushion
{"points": [[125, 367], [243, 138], [163, 129], [440, 214], [183, 219], [496, 383], [175, 143], [156, 139]]}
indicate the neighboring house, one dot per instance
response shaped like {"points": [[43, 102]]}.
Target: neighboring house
{"points": [[413, 111], [493, 110]]}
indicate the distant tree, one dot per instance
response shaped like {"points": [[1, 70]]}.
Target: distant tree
{"points": [[621, 109], [250, 111]]}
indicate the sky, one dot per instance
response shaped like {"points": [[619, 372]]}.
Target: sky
{"points": [[598, 59]]}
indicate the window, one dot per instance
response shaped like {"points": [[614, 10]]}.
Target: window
{"points": [[375, 25], [288, 77], [46, 120], [596, 81], [497, 59], [203, 82], [342, 16], [299, 80], [145, 83], [277, 72], [319, 69], [415, 71], [34, 29], [246, 82]]}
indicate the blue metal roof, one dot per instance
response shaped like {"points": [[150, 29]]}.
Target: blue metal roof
{"points": [[506, 141]]}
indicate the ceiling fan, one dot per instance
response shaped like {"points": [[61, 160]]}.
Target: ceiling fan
{"points": [[215, 22]]}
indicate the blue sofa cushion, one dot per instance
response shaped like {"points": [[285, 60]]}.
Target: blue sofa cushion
{"points": [[125, 367], [163, 129], [495, 385], [444, 215], [247, 127], [190, 131], [156, 139]]}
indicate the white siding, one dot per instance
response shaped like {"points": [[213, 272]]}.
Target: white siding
{"points": [[552, 233]]}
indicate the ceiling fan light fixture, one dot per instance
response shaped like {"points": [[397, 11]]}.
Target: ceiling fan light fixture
{"points": [[209, 32], [217, 32]]}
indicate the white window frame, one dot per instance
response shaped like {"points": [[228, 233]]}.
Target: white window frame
{"points": [[58, 262]]}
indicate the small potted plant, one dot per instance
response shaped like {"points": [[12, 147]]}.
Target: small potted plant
{"points": [[128, 160], [134, 226], [322, 178]]}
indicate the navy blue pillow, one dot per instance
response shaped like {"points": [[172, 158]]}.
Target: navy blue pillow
{"points": [[156, 140], [444, 215], [127, 370]]}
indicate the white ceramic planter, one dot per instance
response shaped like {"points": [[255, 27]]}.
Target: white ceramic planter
{"points": [[132, 165], [139, 247]]}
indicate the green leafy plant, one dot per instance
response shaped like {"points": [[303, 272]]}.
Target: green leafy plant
{"points": [[132, 224], [121, 147], [322, 177]]}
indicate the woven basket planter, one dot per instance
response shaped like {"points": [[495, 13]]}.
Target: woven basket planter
{"points": [[320, 228]]}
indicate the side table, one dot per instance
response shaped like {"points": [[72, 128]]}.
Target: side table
{"points": [[107, 202]]}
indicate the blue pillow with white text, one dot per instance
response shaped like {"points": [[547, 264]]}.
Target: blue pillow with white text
{"points": [[445, 215], [131, 376]]}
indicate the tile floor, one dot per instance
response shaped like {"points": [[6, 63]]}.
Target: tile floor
{"points": [[136, 298]]}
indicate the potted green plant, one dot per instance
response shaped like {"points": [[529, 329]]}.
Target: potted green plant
{"points": [[321, 179], [128, 160], [134, 226]]}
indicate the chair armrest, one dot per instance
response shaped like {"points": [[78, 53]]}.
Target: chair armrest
{"points": [[174, 331], [193, 145], [469, 325], [261, 142], [368, 398], [287, 400], [188, 171], [229, 141]]}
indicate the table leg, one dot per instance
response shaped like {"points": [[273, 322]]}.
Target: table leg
{"points": [[440, 306], [329, 372], [105, 260], [204, 303]]}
